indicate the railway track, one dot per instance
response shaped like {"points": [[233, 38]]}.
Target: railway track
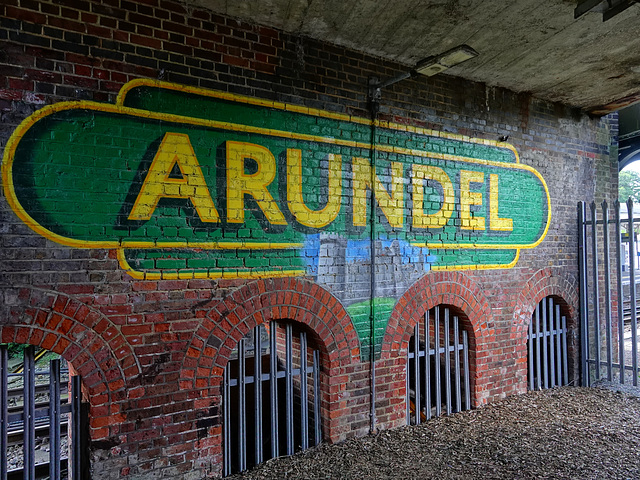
{"points": [[15, 432], [42, 471]]}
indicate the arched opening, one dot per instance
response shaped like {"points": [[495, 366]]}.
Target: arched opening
{"points": [[550, 349], [440, 365], [271, 396], [43, 419]]}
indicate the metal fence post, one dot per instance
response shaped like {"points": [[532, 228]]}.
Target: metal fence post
{"points": [[607, 287], [584, 314], [632, 291], [620, 292], [596, 287]]}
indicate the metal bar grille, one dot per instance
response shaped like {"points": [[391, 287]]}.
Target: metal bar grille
{"points": [[316, 396], [438, 367], [284, 417], [273, 385], [552, 342], [427, 371], [54, 419], [438, 389], [537, 357], [4, 413], [76, 424], [288, 373], [226, 422], [29, 400], [257, 374], [36, 409], [547, 347], [609, 335]]}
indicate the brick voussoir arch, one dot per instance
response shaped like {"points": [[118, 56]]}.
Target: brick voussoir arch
{"points": [[545, 282], [435, 288], [260, 301], [75, 331]]}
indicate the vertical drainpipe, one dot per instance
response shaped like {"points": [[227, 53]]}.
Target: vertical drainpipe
{"points": [[374, 105]]}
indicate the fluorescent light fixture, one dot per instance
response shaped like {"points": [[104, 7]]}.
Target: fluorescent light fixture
{"points": [[429, 66], [439, 63]]}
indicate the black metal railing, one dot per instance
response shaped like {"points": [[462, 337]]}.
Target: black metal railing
{"points": [[608, 272], [40, 410], [271, 397], [547, 347], [438, 376]]}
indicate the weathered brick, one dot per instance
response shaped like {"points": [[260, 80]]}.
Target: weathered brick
{"points": [[145, 346]]}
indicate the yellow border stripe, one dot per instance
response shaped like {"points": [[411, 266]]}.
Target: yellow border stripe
{"points": [[232, 97], [173, 275], [479, 267]]}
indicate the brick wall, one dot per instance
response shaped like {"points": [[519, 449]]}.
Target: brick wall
{"points": [[152, 349]]}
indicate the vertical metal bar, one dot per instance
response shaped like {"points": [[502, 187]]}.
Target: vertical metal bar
{"points": [[242, 406], [596, 286], [552, 350], [4, 408], [76, 424], [416, 372], [545, 338], [632, 290], [316, 395], [565, 367], [438, 385], [584, 292], [29, 393], [620, 292], [288, 372], [538, 355], [607, 288], [54, 419], [257, 391], [226, 424], [531, 361], [447, 360], [456, 359], [273, 384], [467, 383], [556, 320], [304, 402], [427, 366], [408, 384]]}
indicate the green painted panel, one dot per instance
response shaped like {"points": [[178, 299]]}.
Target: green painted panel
{"points": [[186, 183]]}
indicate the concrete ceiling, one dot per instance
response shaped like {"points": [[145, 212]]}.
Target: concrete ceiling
{"points": [[531, 46]]}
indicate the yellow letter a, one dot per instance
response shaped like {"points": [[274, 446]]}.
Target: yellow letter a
{"points": [[175, 149]]}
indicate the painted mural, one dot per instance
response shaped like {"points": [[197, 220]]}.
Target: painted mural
{"points": [[190, 183]]}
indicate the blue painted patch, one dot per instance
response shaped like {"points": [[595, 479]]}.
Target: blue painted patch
{"points": [[311, 253]]}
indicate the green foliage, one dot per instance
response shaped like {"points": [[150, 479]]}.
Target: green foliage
{"points": [[16, 349], [629, 186]]}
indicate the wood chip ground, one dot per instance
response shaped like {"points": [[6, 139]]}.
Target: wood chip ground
{"points": [[563, 433]]}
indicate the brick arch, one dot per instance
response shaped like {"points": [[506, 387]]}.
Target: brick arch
{"points": [[257, 302], [81, 335], [436, 288], [545, 282]]}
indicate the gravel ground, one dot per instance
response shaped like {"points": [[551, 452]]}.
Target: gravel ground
{"points": [[564, 433]]}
